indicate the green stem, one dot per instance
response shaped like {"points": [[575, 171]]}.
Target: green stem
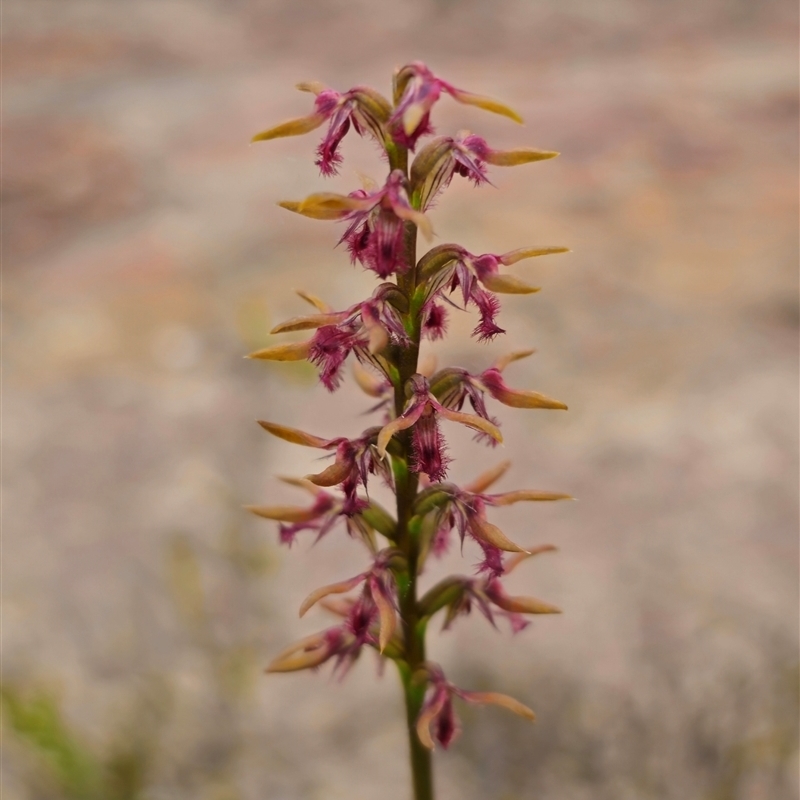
{"points": [[406, 484], [421, 761]]}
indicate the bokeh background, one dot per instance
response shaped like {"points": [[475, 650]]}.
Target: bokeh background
{"points": [[144, 254]]}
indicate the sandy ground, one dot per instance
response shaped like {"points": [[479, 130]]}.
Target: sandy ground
{"points": [[143, 255]]}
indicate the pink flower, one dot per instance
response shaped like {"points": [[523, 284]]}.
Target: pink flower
{"points": [[421, 414], [355, 460], [466, 513], [362, 107], [376, 231], [319, 517], [453, 386], [464, 510], [437, 721], [458, 594], [449, 267], [433, 168], [465, 154], [364, 328], [376, 234], [378, 595], [416, 91]]}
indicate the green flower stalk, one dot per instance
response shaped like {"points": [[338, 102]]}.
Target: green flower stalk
{"points": [[383, 607]]}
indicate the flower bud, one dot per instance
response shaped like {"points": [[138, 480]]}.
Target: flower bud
{"points": [[380, 519]]}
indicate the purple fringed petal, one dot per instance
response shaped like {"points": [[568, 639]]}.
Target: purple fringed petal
{"points": [[435, 324], [330, 347], [492, 562], [488, 308], [429, 447]]}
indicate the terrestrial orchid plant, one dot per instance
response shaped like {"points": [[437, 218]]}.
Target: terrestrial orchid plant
{"points": [[382, 607]]}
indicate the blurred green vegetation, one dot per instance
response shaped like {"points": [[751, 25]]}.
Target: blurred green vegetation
{"points": [[64, 764]]}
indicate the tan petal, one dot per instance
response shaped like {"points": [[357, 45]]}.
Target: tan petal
{"points": [[517, 398], [305, 654], [530, 252], [486, 479], [514, 561], [368, 183], [417, 217], [283, 513], [472, 421], [395, 426], [517, 355], [340, 606], [527, 495], [294, 435], [296, 351], [368, 382], [525, 605], [412, 117], [301, 483], [334, 588], [315, 87], [522, 155], [388, 620], [309, 322], [293, 127], [486, 103], [331, 476], [427, 365], [503, 700], [425, 719], [484, 530], [508, 284], [326, 205], [320, 305], [378, 336]]}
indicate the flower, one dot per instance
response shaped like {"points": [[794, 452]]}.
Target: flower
{"points": [[375, 235], [458, 593], [450, 507], [321, 516], [416, 90], [366, 328], [371, 619], [361, 107], [449, 267], [466, 154], [437, 721], [427, 442], [354, 460], [452, 386], [379, 591]]}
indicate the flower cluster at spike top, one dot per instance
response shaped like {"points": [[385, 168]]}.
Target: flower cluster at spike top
{"points": [[381, 607]]}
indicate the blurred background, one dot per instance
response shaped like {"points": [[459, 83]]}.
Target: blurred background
{"points": [[144, 254]]}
